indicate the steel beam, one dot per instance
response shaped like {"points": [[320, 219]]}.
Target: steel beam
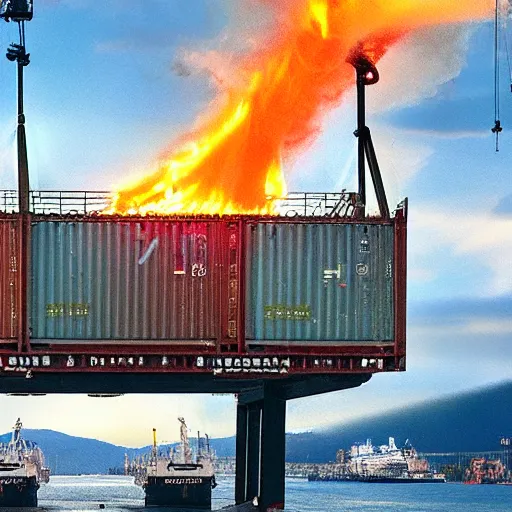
{"points": [[295, 386]]}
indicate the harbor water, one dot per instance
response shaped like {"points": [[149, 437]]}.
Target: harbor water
{"points": [[119, 494]]}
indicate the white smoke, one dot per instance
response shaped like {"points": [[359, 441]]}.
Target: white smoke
{"points": [[416, 67]]}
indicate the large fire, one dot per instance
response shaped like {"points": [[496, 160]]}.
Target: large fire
{"points": [[233, 164]]}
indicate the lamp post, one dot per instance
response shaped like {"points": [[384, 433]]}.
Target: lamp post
{"points": [[20, 11]]}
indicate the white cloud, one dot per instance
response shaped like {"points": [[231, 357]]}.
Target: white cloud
{"points": [[401, 156], [483, 236], [449, 134], [421, 274], [489, 326], [414, 69]]}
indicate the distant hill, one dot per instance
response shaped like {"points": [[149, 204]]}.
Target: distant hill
{"points": [[466, 422], [471, 421]]}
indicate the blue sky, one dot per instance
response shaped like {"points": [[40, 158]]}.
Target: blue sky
{"points": [[108, 89]]}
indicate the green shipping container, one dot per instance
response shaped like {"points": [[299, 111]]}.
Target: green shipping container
{"points": [[319, 283]]}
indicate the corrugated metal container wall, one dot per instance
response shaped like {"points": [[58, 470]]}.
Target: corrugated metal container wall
{"points": [[130, 280], [9, 238], [315, 283]]}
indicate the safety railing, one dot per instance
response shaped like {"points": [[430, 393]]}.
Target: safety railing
{"points": [[295, 204], [57, 202]]}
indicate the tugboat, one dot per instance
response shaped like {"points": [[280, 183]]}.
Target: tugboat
{"points": [[174, 480], [21, 470]]}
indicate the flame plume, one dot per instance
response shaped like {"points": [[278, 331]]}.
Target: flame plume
{"points": [[233, 163]]}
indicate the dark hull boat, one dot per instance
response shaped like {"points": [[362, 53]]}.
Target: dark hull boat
{"points": [[179, 492], [22, 468], [400, 480], [18, 491], [174, 480], [382, 479]]}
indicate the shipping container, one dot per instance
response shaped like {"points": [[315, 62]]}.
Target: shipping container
{"points": [[319, 283], [9, 278], [126, 280]]}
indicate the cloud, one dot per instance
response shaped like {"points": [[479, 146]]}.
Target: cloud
{"points": [[462, 320], [483, 236], [455, 311], [504, 206], [401, 156], [445, 133], [421, 274], [490, 326], [415, 68]]}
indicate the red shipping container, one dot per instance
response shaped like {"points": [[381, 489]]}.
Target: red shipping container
{"points": [[9, 277]]}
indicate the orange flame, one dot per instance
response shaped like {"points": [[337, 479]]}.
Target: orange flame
{"points": [[233, 163]]}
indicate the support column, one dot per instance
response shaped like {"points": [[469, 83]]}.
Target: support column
{"points": [[241, 454], [253, 450], [273, 447], [260, 448], [248, 453]]}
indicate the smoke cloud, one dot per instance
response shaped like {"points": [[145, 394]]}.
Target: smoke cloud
{"points": [[416, 66]]}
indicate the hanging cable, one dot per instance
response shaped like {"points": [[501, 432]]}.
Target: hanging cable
{"points": [[497, 124]]}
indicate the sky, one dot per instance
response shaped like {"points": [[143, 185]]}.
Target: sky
{"points": [[109, 89]]}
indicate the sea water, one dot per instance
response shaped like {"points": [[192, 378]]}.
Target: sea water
{"points": [[119, 494]]}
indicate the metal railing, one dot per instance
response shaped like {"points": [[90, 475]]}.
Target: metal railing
{"points": [[57, 202], [316, 204], [296, 204]]}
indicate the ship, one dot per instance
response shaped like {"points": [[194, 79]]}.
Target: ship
{"points": [[381, 464], [176, 479], [22, 469]]}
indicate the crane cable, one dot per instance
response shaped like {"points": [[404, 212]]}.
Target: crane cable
{"points": [[497, 124]]}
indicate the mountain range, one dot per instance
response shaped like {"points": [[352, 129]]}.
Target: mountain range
{"points": [[467, 422]]}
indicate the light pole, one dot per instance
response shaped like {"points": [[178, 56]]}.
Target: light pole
{"points": [[20, 11]]}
